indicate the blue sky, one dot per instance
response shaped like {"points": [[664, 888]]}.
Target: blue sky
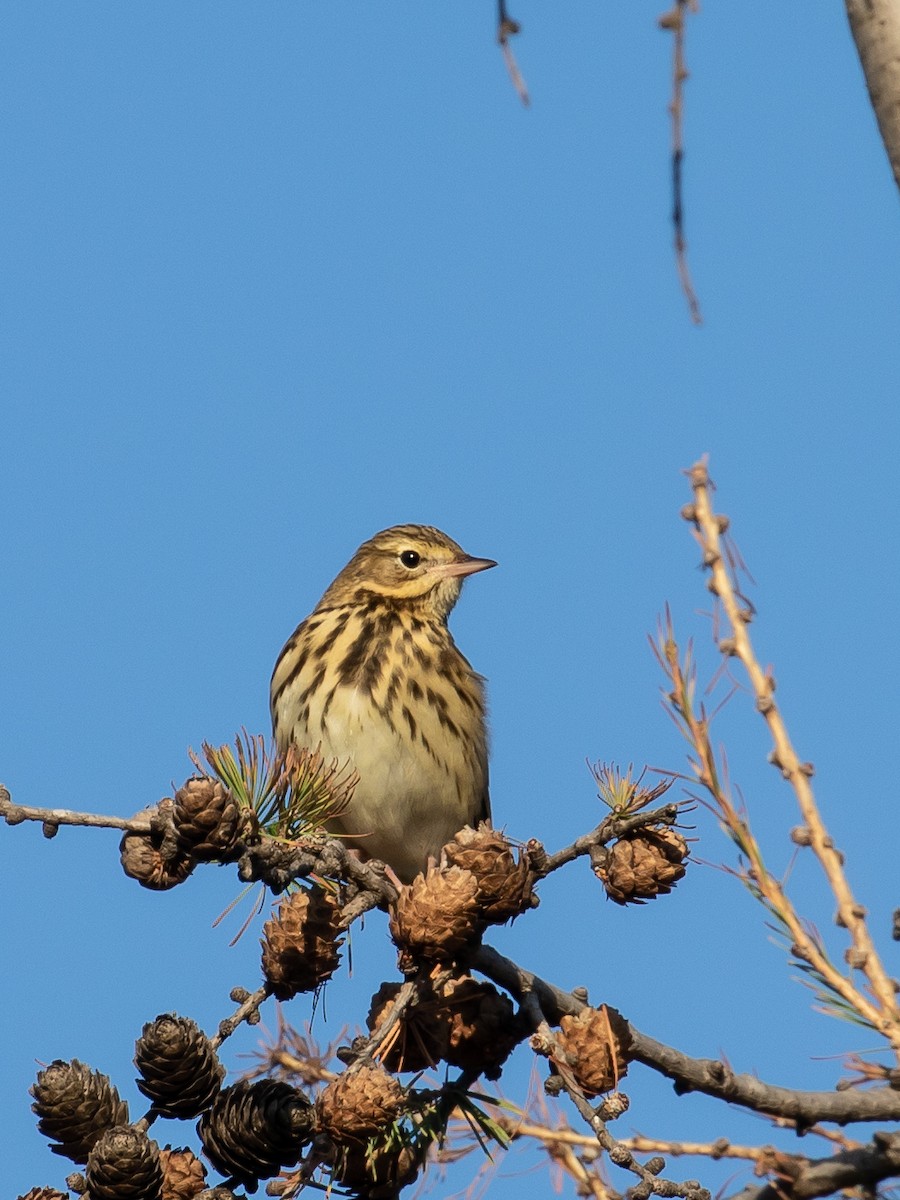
{"points": [[275, 276]]}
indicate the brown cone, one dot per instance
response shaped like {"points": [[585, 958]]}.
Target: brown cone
{"points": [[505, 885], [596, 1045], [124, 1165], [148, 859], [360, 1103], [74, 1106], [483, 1029], [207, 820], [422, 1033], [179, 1069], [643, 865], [255, 1129], [300, 942], [377, 1174], [184, 1175], [44, 1193], [437, 915]]}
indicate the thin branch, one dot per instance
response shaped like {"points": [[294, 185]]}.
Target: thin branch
{"points": [[395, 1012], [805, 1179], [52, 818], [587, 1180], [277, 864], [640, 1143], [710, 528], [649, 1173], [675, 20], [249, 1004], [808, 950], [711, 1076], [506, 29], [610, 829]]}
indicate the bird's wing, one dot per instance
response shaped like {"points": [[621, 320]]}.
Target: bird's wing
{"points": [[484, 812]]}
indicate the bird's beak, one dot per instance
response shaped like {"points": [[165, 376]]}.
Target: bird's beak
{"points": [[463, 566]]}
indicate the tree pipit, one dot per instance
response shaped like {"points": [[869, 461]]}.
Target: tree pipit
{"points": [[374, 677]]}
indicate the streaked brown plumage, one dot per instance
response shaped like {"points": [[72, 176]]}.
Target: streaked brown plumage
{"points": [[373, 676]]}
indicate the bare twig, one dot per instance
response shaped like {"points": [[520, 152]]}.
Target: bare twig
{"points": [[610, 829], [675, 21], [277, 864], [804, 1179], [711, 1076], [649, 1173], [393, 1014], [507, 28], [639, 1143], [805, 947], [709, 531], [52, 818], [247, 1010], [295, 1056]]}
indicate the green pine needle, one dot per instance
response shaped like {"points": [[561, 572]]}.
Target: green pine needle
{"points": [[290, 794], [623, 794]]}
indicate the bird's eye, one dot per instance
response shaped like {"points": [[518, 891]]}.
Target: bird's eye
{"points": [[410, 558]]}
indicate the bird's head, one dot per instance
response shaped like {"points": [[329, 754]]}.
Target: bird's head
{"points": [[413, 563]]}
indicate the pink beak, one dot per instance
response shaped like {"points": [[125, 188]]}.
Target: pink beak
{"points": [[463, 566]]}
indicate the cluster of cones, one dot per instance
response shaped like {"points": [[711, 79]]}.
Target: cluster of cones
{"points": [[248, 1131], [81, 1112], [437, 918], [203, 823], [355, 1127], [252, 1130]]}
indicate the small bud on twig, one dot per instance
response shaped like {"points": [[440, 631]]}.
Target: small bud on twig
{"points": [[553, 1085], [612, 1106]]}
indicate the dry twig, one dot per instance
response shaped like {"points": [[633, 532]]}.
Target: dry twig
{"points": [[675, 21], [881, 1009]]}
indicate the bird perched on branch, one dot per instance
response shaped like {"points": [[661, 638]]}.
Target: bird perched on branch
{"points": [[373, 676]]}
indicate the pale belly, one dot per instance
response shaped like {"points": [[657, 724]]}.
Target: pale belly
{"points": [[407, 803]]}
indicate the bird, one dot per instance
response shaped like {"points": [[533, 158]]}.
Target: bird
{"points": [[373, 678]]}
